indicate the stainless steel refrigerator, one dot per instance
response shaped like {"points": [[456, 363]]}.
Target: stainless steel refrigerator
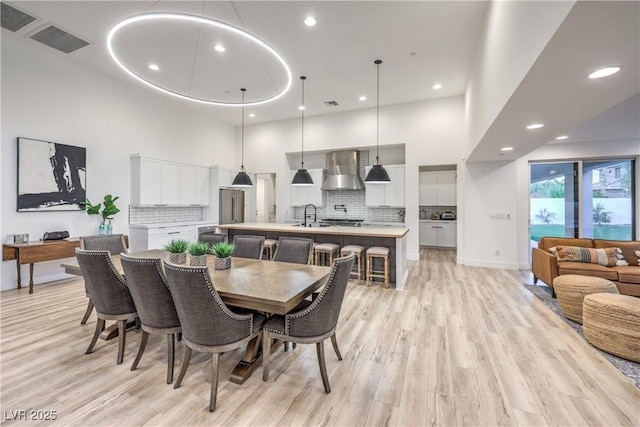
{"points": [[231, 206]]}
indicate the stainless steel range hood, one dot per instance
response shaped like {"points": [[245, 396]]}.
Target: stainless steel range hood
{"points": [[342, 171]]}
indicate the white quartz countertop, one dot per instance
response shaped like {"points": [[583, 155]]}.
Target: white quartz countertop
{"points": [[394, 232], [174, 224]]}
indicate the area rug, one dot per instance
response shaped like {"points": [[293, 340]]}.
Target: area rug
{"points": [[627, 367]]}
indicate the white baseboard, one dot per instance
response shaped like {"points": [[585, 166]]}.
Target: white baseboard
{"points": [[413, 256], [37, 280], [491, 264]]}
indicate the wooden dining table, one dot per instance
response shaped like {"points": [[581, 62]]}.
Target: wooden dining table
{"points": [[270, 287]]}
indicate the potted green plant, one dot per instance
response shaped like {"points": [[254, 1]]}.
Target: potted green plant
{"points": [[107, 212], [198, 254], [177, 249], [223, 251]]}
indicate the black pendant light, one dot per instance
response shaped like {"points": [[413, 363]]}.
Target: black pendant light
{"points": [[302, 177], [242, 180], [377, 174]]}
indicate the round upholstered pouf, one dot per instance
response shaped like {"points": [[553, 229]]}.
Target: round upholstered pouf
{"points": [[612, 323], [572, 288]]}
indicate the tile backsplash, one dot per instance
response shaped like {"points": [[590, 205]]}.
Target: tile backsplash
{"points": [[162, 214]]}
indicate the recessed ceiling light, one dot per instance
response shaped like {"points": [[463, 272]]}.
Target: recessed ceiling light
{"points": [[219, 48], [604, 72], [562, 137], [437, 86], [310, 21], [251, 115], [535, 126], [301, 107], [363, 98], [154, 67], [506, 148]]}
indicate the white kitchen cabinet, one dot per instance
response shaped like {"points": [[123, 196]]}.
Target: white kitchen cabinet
{"points": [[437, 234], [225, 177], [142, 239], [438, 188], [154, 182], [387, 195], [160, 182], [194, 185], [301, 196]]}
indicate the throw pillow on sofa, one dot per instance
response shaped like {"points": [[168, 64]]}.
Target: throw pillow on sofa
{"points": [[608, 257]]}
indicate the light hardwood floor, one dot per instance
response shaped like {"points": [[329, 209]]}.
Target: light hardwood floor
{"points": [[459, 346]]}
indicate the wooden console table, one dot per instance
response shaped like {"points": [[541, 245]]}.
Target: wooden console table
{"points": [[32, 252]]}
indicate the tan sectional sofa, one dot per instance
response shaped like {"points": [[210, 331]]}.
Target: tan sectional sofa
{"points": [[546, 267]]}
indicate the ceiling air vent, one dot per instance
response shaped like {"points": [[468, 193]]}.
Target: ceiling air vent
{"points": [[14, 19], [331, 103], [59, 39]]}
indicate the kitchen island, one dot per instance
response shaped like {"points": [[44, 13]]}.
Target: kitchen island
{"points": [[393, 238]]}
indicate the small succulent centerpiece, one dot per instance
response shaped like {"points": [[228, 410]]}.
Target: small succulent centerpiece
{"points": [[198, 254], [177, 249], [107, 212], [223, 251]]}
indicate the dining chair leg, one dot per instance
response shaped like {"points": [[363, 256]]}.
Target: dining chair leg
{"points": [[96, 335], [87, 312], [323, 367], [334, 341], [122, 337], [185, 364], [266, 354], [179, 336], [143, 344], [171, 352], [215, 358]]}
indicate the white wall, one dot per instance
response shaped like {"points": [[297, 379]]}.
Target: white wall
{"points": [[46, 97], [432, 132], [490, 190], [515, 34]]}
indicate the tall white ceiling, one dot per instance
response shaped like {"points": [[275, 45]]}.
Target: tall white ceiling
{"points": [[420, 42]]}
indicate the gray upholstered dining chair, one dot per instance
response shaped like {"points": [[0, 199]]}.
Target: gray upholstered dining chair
{"points": [[248, 246], [109, 293], [150, 292], [314, 321], [114, 243], [294, 249], [208, 325], [212, 238]]}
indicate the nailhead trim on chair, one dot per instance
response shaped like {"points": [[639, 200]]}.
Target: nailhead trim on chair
{"points": [[106, 254], [315, 302], [150, 261], [225, 309]]}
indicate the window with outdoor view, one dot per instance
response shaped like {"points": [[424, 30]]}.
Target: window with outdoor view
{"points": [[592, 198]]}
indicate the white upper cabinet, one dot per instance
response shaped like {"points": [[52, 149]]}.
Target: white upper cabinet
{"points": [[392, 194], [438, 188], [194, 185], [159, 182], [301, 196]]}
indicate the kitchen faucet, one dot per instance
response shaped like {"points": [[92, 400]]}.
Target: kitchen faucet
{"points": [[315, 216]]}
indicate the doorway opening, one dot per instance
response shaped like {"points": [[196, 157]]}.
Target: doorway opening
{"points": [[265, 197]]}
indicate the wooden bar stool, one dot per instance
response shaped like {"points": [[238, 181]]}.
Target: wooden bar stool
{"points": [[358, 251], [270, 247], [325, 251], [378, 252]]}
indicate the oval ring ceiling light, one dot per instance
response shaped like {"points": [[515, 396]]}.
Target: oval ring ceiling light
{"points": [[200, 20]]}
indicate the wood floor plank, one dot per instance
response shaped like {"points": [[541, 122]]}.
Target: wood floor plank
{"points": [[458, 346]]}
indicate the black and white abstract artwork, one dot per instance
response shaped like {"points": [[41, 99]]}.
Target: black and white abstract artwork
{"points": [[51, 176]]}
